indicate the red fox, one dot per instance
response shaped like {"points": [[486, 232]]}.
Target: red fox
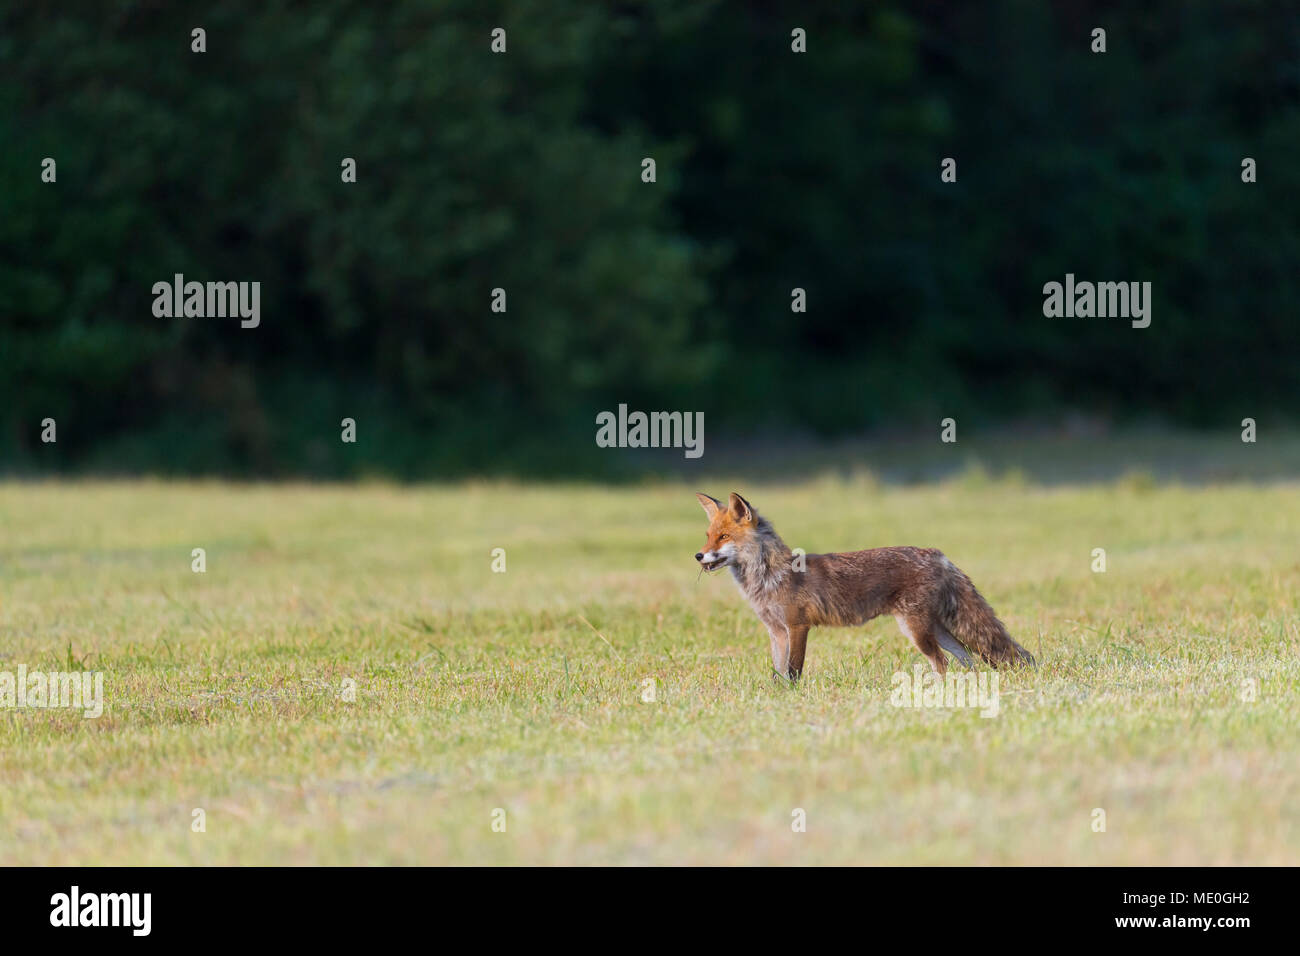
{"points": [[934, 603]]}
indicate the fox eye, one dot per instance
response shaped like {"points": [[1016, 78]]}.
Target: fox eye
{"points": [[723, 537]]}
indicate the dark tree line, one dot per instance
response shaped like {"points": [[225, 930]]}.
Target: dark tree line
{"points": [[522, 171]]}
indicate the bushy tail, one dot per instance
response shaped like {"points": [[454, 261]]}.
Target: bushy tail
{"points": [[968, 616]]}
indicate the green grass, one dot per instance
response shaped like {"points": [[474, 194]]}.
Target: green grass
{"points": [[522, 691]]}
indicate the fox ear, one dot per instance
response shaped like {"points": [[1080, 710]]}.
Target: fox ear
{"points": [[711, 505], [741, 509]]}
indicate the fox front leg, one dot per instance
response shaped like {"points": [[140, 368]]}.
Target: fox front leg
{"points": [[798, 644], [780, 645]]}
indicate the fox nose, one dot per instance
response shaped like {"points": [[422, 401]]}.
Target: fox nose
{"points": [[699, 555]]}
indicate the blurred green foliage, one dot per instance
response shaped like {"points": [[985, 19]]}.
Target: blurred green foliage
{"points": [[522, 171]]}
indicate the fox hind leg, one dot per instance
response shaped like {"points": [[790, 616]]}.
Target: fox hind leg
{"points": [[923, 633], [953, 646]]}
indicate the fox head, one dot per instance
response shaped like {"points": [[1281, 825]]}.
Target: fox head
{"points": [[731, 531]]}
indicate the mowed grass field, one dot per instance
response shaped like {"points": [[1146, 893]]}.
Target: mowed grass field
{"points": [[522, 691]]}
